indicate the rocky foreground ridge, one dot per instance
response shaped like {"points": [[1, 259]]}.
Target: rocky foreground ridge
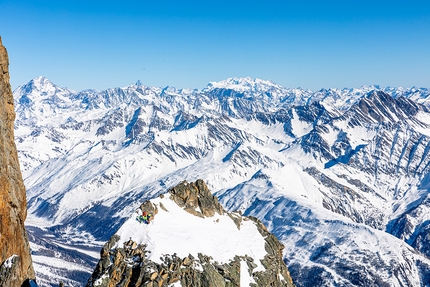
{"points": [[191, 241], [15, 261]]}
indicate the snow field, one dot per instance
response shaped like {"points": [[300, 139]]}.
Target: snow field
{"points": [[177, 231]]}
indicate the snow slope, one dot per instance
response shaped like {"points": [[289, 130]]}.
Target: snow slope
{"points": [[217, 236]]}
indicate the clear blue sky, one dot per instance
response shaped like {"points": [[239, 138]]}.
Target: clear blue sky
{"points": [[186, 44]]}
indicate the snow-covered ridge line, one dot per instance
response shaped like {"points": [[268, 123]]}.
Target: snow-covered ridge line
{"points": [[242, 87]]}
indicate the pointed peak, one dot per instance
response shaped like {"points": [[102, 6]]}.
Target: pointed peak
{"points": [[40, 85], [41, 81]]}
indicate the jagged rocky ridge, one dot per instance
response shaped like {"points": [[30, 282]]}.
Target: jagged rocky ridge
{"points": [[349, 165], [127, 261], [16, 267]]}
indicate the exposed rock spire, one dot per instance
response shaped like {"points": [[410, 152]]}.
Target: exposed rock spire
{"points": [[15, 260]]}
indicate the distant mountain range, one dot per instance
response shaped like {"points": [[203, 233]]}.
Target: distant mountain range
{"points": [[341, 177]]}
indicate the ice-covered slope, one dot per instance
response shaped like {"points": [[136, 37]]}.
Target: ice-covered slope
{"points": [[357, 155], [191, 241]]}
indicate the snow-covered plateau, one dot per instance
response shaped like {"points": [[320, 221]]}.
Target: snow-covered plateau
{"points": [[340, 176]]}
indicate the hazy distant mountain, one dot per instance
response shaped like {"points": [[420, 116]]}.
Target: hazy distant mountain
{"points": [[339, 176]]}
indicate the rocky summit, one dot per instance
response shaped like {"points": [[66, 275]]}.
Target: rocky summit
{"points": [[190, 240], [15, 261]]}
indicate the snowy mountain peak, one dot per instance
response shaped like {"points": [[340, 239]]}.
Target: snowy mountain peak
{"points": [[243, 84], [185, 237], [41, 83], [41, 80], [381, 107], [41, 87]]}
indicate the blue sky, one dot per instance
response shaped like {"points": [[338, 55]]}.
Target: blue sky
{"points": [[186, 44]]}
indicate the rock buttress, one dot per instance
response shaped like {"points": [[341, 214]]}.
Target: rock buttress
{"points": [[15, 261]]}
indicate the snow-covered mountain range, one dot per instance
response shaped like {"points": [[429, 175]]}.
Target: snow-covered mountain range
{"points": [[341, 177]]}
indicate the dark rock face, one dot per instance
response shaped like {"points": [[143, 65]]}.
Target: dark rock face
{"points": [[128, 266], [405, 228], [15, 260], [196, 198], [273, 260]]}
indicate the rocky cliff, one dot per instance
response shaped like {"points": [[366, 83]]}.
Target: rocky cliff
{"points": [[15, 261], [191, 241]]}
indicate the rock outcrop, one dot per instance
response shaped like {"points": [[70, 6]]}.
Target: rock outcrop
{"points": [[129, 263], [196, 199], [16, 267]]}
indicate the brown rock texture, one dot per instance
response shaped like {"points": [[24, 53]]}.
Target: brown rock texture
{"points": [[15, 260], [196, 198]]}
